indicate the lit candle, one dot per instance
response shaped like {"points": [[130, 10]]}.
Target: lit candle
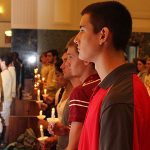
{"points": [[43, 79], [38, 76], [41, 130], [41, 113], [38, 95], [35, 70], [37, 84], [53, 113], [35, 76], [45, 91]]}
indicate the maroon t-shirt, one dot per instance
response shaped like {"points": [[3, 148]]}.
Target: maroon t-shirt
{"points": [[80, 97]]}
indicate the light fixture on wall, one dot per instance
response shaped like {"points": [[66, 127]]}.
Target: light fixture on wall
{"points": [[1, 10], [8, 33]]}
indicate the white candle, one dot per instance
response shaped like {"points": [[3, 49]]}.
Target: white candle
{"points": [[38, 95], [40, 113], [41, 130], [38, 92], [37, 84], [53, 113], [35, 76], [36, 70], [43, 79], [38, 76], [45, 91]]}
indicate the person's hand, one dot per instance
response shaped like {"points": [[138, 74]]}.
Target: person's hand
{"points": [[58, 129], [46, 144]]}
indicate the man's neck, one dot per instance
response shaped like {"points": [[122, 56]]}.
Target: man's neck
{"points": [[107, 62], [75, 82], [86, 73]]}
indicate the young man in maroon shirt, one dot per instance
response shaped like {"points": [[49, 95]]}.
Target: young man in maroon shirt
{"points": [[118, 116]]}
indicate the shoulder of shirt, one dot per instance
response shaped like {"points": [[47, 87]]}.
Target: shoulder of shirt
{"points": [[91, 82]]}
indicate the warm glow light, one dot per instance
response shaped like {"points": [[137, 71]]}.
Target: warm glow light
{"points": [[8, 33], [1, 10], [32, 59]]}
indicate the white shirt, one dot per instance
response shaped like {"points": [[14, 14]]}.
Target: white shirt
{"points": [[7, 85], [13, 75]]}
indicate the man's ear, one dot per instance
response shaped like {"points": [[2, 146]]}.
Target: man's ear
{"points": [[103, 35]]}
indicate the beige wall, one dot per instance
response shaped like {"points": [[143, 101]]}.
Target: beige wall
{"points": [[65, 14]]}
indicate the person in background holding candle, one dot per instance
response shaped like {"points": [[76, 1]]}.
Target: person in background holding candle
{"points": [[51, 85], [61, 97], [44, 69], [118, 116]]}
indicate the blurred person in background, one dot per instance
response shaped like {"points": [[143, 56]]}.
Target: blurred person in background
{"points": [[12, 71], [44, 69], [6, 92], [147, 76], [19, 67], [52, 57]]}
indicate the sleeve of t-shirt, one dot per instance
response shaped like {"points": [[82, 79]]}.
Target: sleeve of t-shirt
{"points": [[78, 105], [116, 127]]}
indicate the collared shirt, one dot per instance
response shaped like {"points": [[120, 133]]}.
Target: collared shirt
{"points": [[118, 116], [80, 97]]}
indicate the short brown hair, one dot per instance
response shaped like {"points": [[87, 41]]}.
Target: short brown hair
{"points": [[115, 17], [71, 43]]}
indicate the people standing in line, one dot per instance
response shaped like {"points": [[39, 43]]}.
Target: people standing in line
{"points": [[75, 110], [62, 128], [6, 92], [118, 116], [147, 76], [141, 66]]}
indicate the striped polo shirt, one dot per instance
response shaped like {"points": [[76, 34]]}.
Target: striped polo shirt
{"points": [[80, 97]]}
